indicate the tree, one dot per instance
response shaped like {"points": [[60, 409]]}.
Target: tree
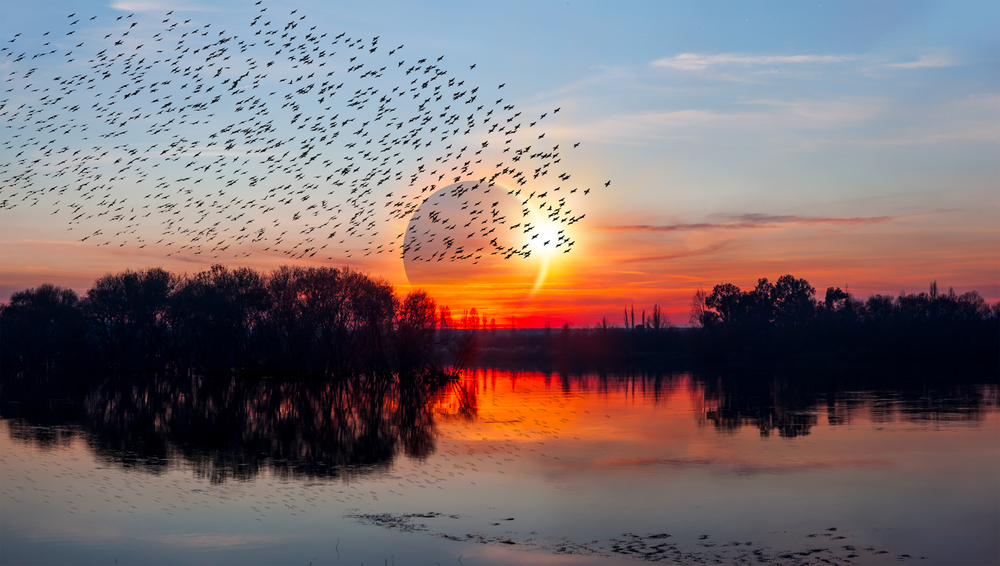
{"points": [[41, 328], [656, 320], [324, 302], [416, 321], [370, 308], [700, 315], [448, 322], [213, 314], [727, 301], [794, 301], [879, 309], [128, 312], [415, 324], [761, 303], [835, 299], [471, 321]]}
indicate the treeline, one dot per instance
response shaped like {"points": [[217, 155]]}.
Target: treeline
{"points": [[333, 323], [780, 322], [291, 322], [785, 318]]}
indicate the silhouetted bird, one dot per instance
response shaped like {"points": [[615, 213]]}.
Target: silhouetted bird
{"points": [[232, 153]]}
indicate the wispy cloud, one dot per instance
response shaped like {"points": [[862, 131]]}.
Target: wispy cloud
{"points": [[753, 117], [707, 250], [754, 221], [646, 127], [698, 61], [974, 120], [839, 111], [924, 63], [152, 6]]}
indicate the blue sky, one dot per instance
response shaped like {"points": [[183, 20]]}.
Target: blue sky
{"points": [[847, 142]]}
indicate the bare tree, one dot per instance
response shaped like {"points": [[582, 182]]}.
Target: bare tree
{"points": [[701, 315], [657, 320]]}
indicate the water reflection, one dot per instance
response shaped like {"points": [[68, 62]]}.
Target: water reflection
{"points": [[504, 467], [790, 404], [235, 430]]}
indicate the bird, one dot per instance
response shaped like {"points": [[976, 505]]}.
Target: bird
{"points": [[236, 151]]}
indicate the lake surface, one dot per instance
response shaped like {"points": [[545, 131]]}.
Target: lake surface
{"points": [[505, 468]]}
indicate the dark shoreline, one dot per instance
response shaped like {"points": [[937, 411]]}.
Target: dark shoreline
{"points": [[333, 325]]}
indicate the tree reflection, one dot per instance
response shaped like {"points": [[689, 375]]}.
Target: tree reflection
{"points": [[790, 404], [240, 429], [770, 405]]}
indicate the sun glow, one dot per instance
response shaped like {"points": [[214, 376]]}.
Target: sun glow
{"points": [[545, 240]]}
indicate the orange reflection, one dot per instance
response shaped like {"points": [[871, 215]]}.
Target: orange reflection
{"points": [[614, 426]]}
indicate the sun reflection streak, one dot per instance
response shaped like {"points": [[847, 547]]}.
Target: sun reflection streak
{"points": [[547, 233]]}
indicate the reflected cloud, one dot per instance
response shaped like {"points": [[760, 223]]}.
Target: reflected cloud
{"points": [[655, 462], [781, 468], [218, 541], [748, 468]]}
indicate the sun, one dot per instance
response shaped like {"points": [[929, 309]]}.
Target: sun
{"points": [[544, 237], [469, 236], [545, 240]]}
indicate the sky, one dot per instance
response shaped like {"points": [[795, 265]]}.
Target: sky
{"points": [[852, 144]]}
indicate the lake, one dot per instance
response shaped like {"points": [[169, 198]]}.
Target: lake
{"points": [[504, 467]]}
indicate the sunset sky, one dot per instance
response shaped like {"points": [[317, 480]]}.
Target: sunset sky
{"points": [[852, 144]]}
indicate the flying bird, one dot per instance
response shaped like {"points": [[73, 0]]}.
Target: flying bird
{"points": [[219, 143]]}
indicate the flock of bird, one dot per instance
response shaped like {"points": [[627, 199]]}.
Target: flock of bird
{"points": [[186, 137]]}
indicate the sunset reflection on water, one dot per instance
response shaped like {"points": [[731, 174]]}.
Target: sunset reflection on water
{"points": [[502, 466]]}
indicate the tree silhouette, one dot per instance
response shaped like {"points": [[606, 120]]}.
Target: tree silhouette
{"points": [[794, 301], [326, 323], [41, 329], [416, 321], [728, 302], [128, 315], [700, 314], [212, 315], [657, 320]]}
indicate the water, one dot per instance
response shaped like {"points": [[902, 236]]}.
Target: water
{"points": [[505, 468]]}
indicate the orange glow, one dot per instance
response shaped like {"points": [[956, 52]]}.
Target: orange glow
{"points": [[610, 268], [531, 406], [565, 423]]}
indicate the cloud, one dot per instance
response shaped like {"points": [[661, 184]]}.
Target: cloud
{"points": [[750, 117], [152, 6], [839, 111], [645, 127], [698, 62], [924, 63], [753, 221], [708, 250], [975, 119]]}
